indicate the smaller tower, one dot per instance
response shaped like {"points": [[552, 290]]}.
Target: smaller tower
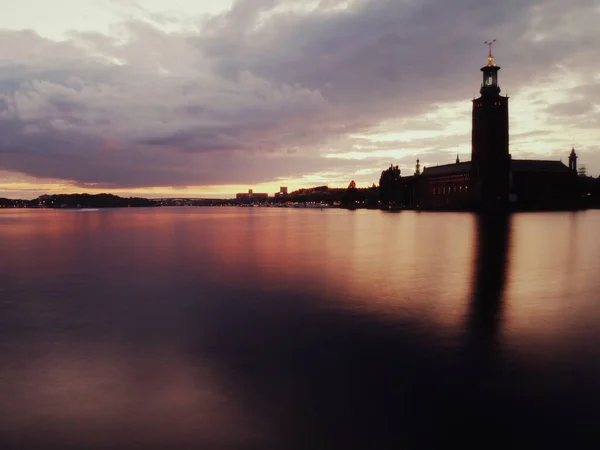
{"points": [[573, 160], [418, 168], [457, 159]]}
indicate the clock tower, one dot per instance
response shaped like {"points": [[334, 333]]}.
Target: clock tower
{"points": [[489, 141]]}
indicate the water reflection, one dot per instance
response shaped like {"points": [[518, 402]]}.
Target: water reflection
{"points": [[101, 396], [297, 329], [484, 319]]}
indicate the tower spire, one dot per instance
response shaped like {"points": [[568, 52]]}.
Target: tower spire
{"points": [[490, 58], [573, 160], [418, 168], [457, 159]]}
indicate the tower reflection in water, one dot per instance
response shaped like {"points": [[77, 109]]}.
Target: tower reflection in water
{"points": [[484, 319]]}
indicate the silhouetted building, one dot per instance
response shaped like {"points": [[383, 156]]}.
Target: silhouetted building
{"points": [[251, 195], [283, 192], [492, 179]]}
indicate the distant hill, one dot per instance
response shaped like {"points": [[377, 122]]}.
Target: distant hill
{"points": [[78, 201]]}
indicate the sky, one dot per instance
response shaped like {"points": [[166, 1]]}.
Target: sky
{"points": [[199, 98]]}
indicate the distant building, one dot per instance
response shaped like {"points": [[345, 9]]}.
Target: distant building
{"points": [[251, 195], [492, 179], [283, 192]]}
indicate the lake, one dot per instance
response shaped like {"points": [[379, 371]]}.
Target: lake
{"points": [[272, 328]]}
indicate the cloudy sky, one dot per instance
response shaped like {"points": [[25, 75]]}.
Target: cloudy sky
{"points": [[204, 98]]}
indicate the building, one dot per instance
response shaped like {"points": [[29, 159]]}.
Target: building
{"points": [[251, 195], [492, 179], [283, 192]]}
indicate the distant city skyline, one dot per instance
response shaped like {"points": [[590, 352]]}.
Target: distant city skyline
{"points": [[208, 99]]}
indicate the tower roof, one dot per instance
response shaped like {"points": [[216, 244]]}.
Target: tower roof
{"points": [[490, 58], [490, 87], [490, 65]]}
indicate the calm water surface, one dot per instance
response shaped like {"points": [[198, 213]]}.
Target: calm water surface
{"points": [[260, 328]]}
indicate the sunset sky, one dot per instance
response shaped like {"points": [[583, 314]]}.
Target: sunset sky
{"points": [[209, 98]]}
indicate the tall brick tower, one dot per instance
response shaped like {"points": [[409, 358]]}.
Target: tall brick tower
{"points": [[489, 142]]}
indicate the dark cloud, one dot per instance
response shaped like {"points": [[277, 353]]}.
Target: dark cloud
{"points": [[263, 90]]}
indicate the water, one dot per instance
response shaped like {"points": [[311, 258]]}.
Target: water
{"points": [[260, 328]]}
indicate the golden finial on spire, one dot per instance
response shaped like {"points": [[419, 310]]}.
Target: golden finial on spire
{"points": [[490, 58]]}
